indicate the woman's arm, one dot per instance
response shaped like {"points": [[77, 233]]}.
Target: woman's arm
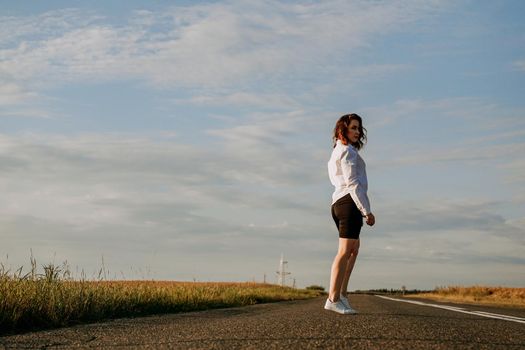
{"points": [[357, 191]]}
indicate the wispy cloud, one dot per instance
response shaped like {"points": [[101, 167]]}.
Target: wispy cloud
{"points": [[14, 30], [248, 176], [457, 130], [132, 192], [451, 215], [212, 45], [520, 65], [98, 179], [137, 198], [447, 110], [246, 99], [443, 242], [12, 94]]}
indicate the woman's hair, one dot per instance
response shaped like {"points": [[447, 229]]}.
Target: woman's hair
{"points": [[341, 130]]}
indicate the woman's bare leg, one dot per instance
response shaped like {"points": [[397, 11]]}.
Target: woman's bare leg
{"points": [[347, 247], [348, 270]]}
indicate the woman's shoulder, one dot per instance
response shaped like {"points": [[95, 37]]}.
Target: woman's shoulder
{"points": [[342, 151], [340, 146], [350, 149]]}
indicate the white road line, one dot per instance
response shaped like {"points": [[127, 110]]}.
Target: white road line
{"points": [[459, 309], [507, 316]]}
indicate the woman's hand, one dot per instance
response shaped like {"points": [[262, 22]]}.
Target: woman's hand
{"points": [[370, 219]]}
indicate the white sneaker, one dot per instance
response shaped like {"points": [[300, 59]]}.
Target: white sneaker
{"points": [[346, 303], [337, 306]]}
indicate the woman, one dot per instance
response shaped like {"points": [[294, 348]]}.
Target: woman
{"points": [[349, 205]]}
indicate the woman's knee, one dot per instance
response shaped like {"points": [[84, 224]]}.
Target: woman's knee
{"points": [[350, 253], [344, 254]]}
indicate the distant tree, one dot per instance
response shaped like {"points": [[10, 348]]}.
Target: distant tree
{"points": [[315, 287]]}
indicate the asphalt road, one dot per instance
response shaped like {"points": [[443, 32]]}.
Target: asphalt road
{"points": [[381, 324]]}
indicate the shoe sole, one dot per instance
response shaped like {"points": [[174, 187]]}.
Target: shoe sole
{"points": [[341, 313]]}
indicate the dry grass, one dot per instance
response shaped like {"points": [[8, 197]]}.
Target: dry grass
{"points": [[53, 299], [498, 296]]}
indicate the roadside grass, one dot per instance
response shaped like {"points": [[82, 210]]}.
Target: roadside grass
{"points": [[54, 299], [496, 296]]}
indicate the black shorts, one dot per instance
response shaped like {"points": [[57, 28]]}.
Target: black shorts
{"points": [[347, 217]]}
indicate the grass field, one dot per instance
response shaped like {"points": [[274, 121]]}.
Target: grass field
{"points": [[498, 296], [53, 299]]}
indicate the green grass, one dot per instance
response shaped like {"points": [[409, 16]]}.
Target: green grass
{"points": [[53, 299]]}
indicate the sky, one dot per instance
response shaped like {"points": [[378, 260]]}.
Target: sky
{"points": [[189, 140]]}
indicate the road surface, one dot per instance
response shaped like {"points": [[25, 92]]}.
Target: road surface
{"points": [[382, 324]]}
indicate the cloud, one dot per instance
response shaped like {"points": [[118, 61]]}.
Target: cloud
{"points": [[125, 194], [142, 202], [464, 154], [254, 180], [264, 148], [520, 65], [451, 130], [441, 241], [515, 169], [245, 99], [448, 110], [19, 102], [108, 178], [446, 215], [468, 235], [157, 203], [247, 55], [14, 30], [211, 45], [11, 94]]}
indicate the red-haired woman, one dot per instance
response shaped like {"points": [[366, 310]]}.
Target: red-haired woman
{"points": [[350, 205]]}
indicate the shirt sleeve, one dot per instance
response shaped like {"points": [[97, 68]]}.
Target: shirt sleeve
{"points": [[357, 191]]}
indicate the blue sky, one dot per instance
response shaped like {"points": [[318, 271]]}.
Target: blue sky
{"points": [[189, 140]]}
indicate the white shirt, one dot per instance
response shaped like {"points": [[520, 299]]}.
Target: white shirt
{"points": [[347, 171]]}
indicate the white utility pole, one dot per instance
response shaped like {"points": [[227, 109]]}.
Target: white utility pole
{"points": [[282, 273]]}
